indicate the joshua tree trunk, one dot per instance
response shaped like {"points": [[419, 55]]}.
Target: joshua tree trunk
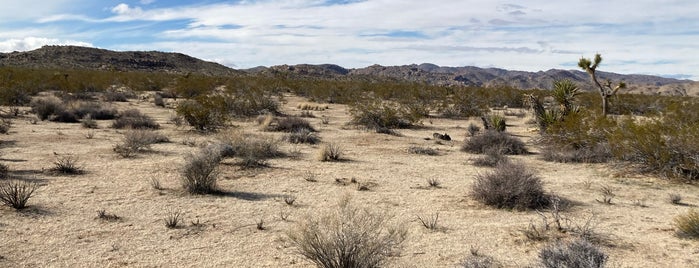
{"points": [[605, 90]]}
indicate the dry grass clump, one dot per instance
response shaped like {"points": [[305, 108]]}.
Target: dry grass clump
{"points": [[94, 110], [252, 150], [511, 186], [490, 140], [15, 193], [302, 136], [688, 224], [67, 165], [200, 172], [134, 119], [137, 140], [347, 237], [576, 254], [330, 152], [422, 150], [290, 124]]}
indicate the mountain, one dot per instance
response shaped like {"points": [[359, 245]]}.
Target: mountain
{"points": [[489, 77], [75, 57]]}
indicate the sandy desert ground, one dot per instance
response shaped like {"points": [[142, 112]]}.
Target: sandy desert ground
{"points": [[61, 229]]}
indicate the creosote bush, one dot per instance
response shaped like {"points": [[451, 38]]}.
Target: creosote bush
{"points": [[134, 119], [494, 140], [45, 107], [15, 193], [252, 150], [688, 224], [200, 172], [138, 140], [347, 237], [205, 113], [511, 186], [291, 124], [382, 116], [578, 253]]}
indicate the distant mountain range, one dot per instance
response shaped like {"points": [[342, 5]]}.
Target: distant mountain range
{"points": [[75, 57]]}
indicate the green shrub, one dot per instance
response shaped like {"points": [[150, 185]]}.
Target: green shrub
{"points": [[688, 224], [666, 145], [494, 140], [380, 115], [512, 186], [134, 119], [494, 122], [348, 237], [204, 113], [576, 254]]}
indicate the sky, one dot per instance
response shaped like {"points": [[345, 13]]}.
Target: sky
{"points": [[634, 37]]}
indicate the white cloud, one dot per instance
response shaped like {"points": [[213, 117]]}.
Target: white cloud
{"points": [[531, 35], [31, 43]]}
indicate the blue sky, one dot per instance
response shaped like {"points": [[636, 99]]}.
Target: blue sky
{"points": [[641, 37]]}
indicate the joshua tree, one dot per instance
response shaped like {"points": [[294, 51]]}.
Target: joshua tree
{"points": [[606, 90]]}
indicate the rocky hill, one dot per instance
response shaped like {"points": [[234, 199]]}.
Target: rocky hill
{"points": [[487, 77], [75, 57]]}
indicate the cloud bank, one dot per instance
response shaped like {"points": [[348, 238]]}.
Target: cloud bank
{"points": [[634, 37]]}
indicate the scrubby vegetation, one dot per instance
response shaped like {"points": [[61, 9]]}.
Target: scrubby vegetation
{"points": [[688, 224], [16, 193], [347, 237], [512, 186], [575, 254], [494, 140]]}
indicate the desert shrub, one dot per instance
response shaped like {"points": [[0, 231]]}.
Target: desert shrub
{"points": [[463, 103], [494, 122], [347, 237], [493, 156], [5, 125], [302, 136], [64, 116], [204, 113], [422, 150], [594, 153], [95, 110], [67, 165], [252, 150], [4, 171], [580, 137], [379, 115], [666, 145], [134, 119], [688, 224], [16, 193], [510, 185], [490, 139], [576, 254], [46, 106], [473, 129], [200, 172], [137, 140], [158, 100], [479, 261], [292, 124], [113, 96], [330, 152], [88, 122]]}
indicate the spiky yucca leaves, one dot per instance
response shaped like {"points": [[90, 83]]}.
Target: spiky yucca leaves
{"points": [[565, 92]]}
